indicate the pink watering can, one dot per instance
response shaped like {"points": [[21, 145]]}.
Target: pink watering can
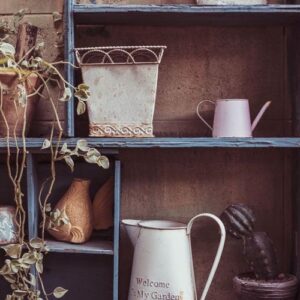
{"points": [[232, 117], [163, 262]]}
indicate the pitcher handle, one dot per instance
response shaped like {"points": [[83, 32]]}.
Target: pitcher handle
{"points": [[218, 255], [199, 115]]}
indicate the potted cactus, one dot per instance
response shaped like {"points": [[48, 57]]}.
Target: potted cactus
{"points": [[264, 281]]}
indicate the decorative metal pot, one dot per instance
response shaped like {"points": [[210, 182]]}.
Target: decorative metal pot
{"points": [[8, 226], [123, 83], [13, 111], [163, 264], [232, 118]]}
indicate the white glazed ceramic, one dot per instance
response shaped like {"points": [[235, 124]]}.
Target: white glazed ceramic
{"points": [[232, 117], [163, 264], [231, 2]]}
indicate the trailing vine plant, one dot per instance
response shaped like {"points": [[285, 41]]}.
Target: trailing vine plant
{"points": [[23, 267]]}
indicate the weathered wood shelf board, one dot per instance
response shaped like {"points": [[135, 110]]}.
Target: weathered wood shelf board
{"points": [[91, 247], [186, 14], [119, 143]]}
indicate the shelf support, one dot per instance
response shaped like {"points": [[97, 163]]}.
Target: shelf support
{"points": [[69, 72], [117, 193], [32, 201], [293, 64]]}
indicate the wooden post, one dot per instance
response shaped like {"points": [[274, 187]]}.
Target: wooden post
{"points": [[26, 39], [293, 65]]}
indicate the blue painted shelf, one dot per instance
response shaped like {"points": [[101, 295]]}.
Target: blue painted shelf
{"points": [[186, 14], [94, 246]]}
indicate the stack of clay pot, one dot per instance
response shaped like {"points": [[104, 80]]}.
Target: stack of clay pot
{"points": [[83, 215]]}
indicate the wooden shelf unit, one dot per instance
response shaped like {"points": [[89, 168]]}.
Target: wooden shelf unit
{"points": [[287, 16]]}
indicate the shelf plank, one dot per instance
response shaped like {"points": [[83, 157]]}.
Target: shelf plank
{"points": [[99, 247], [179, 15], [110, 145]]}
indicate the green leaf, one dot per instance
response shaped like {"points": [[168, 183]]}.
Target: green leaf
{"points": [[7, 49], [39, 48], [103, 162], [59, 292], [48, 207], [69, 161], [29, 258], [22, 94], [66, 95], [57, 17], [81, 108], [25, 64], [9, 278], [64, 149], [20, 293], [32, 280], [93, 152], [92, 159], [36, 243], [14, 250], [36, 62], [46, 144], [83, 145], [39, 266], [19, 16], [83, 86]]}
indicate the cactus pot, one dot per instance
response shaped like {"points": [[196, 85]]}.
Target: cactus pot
{"points": [[14, 114], [249, 288], [123, 82]]}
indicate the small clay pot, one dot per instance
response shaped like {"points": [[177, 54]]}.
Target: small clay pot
{"points": [[77, 205], [249, 288], [9, 80], [8, 226], [103, 206]]}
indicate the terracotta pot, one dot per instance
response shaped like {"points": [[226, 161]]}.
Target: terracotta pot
{"points": [[77, 205], [248, 288], [123, 84], [9, 82], [8, 226], [103, 206]]}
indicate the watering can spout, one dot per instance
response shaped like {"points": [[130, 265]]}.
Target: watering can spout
{"points": [[132, 228], [260, 114]]}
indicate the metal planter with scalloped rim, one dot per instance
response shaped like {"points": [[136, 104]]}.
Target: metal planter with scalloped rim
{"points": [[123, 84]]}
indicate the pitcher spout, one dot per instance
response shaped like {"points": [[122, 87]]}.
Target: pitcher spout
{"points": [[132, 228], [260, 114]]}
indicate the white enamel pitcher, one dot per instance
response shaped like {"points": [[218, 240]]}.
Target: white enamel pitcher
{"points": [[163, 263], [232, 117]]}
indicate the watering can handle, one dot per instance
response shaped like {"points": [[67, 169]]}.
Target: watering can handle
{"points": [[199, 115], [218, 255]]}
